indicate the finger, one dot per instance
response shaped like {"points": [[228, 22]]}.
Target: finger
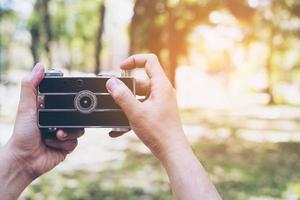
{"points": [[115, 134], [69, 134], [68, 145], [148, 61], [123, 96], [142, 87], [28, 88]]}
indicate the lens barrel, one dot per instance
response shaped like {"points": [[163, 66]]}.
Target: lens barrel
{"points": [[85, 101]]}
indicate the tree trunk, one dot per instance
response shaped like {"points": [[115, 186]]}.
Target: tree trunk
{"points": [[270, 66], [35, 34], [172, 67], [132, 32], [98, 48], [47, 24], [171, 43], [35, 40]]}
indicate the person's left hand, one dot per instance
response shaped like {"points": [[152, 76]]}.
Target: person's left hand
{"points": [[26, 146]]}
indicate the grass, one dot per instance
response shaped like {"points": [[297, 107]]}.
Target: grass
{"points": [[245, 170], [240, 169]]}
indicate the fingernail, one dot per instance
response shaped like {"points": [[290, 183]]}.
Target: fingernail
{"points": [[64, 135], [36, 68], [112, 83]]}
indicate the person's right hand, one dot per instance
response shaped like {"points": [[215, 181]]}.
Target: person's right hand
{"points": [[156, 120]]}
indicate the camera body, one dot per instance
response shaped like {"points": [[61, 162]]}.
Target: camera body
{"points": [[79, 102]]}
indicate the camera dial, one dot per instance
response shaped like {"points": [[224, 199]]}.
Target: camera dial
{"points": [[54, 73], [85, 101]]}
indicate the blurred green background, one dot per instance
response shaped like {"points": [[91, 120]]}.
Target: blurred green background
{"points": [[236, 68]]}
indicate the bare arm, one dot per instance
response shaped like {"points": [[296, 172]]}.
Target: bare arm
{"points": [[187, 176], [13, 178], [156, 122]]}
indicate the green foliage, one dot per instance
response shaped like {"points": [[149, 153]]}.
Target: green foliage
{"points": [[73, 24], [152, 31], [119, 180], [81, 185], [82, 22], [241, 170], [7, 20], [162, 27]]}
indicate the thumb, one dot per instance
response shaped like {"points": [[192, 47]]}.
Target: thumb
{"points": [[123, 96], [28, 88]]}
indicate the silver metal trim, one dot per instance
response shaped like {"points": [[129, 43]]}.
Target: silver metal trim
{"points": [[102, 75], [125, 73], [127, 127], [90, 95], [75, 110], [53, 73], [74, 93], [134, 87], [121, 129], [90, 76]]}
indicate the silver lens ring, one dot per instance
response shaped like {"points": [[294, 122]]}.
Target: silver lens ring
{"points": [[85, 101]]}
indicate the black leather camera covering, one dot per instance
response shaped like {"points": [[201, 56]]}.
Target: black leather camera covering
{"points": [[58, 110]]}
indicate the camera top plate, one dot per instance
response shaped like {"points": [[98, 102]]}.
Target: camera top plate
{"points": [[72, 85], [55, 83], [53, 73]]}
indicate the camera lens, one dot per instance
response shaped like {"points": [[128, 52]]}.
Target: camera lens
{"points": [[85, 101]]}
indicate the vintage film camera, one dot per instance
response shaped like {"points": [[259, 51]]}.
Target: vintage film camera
{"points": [[79, 102]]}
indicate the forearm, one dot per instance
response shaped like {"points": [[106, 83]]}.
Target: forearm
{"points": [[13, 178], [188, 178]]}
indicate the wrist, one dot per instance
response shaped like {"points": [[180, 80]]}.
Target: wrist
{"points": [[175, 154], [13, 176], [15, 165], [187, 176], [173, 147]]}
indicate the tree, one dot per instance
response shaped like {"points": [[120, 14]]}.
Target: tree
{"points": [[82, 23], [71, 24], [7, 16], [162, 27], [133, 28], [39, 26], [47, 24], [34, 29], [274, 20], [99, 33]]}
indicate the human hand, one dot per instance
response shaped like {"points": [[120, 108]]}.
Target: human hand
{"points": [[26, 147], [156, 120]]}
